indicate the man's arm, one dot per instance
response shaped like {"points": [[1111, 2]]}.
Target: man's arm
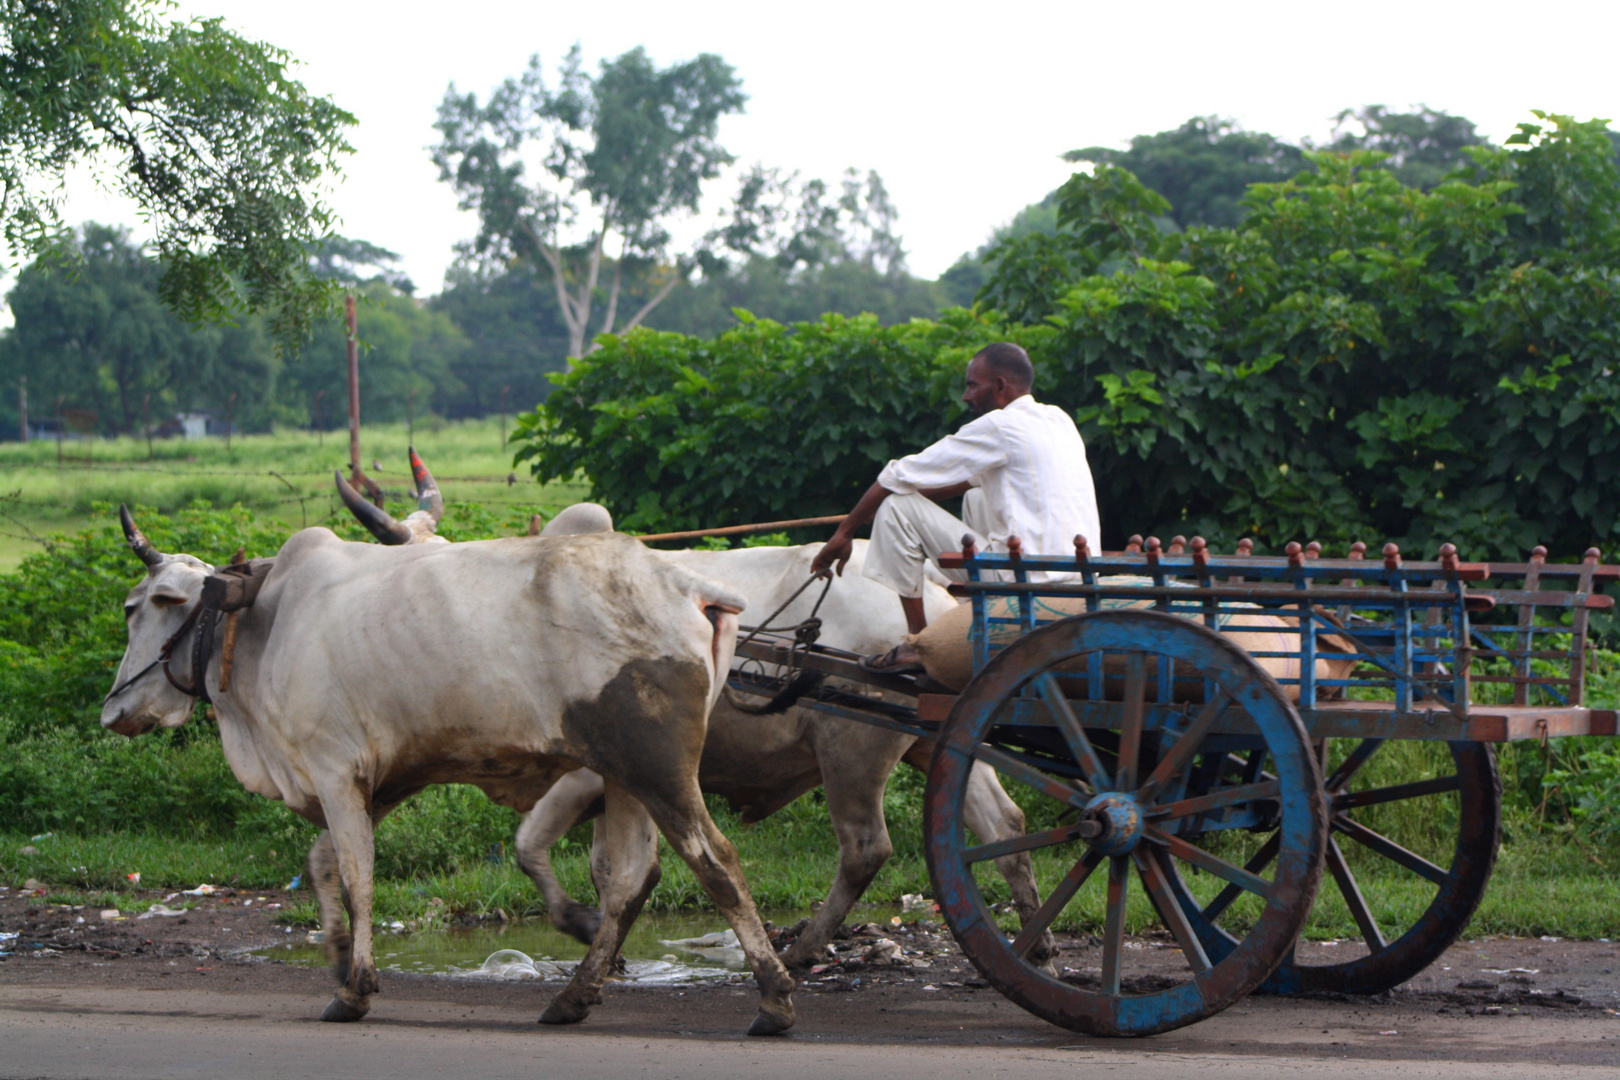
{"points": [[940, 494], [838, 548]]}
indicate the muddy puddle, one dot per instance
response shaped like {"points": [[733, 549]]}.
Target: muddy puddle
{"points": [[661, 949]]}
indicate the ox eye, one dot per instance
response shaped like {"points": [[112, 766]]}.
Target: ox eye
{"points": [[129, 611], [168, 601]]}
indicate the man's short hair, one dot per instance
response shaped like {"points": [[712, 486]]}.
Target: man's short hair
{"points": [[1009, 361]]}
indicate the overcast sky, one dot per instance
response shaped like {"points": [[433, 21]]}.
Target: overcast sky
{"points": [[963, 109]]}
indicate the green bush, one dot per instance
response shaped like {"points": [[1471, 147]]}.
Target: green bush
{"points": [[763, 422], [1357, 359]]}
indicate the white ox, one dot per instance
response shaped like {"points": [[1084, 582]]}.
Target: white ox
{"points": [[761, 763], [362, 675]]}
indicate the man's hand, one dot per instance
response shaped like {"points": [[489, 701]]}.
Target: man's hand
{"points": [[842, 543], [837, 550]]}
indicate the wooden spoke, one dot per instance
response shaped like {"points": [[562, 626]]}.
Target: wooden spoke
{"points": [[1353, 898], [1224, 796], [1114, 923], [1130, 727], [1030, 775], [1171, 764], [1085, 755], [1216, 865], [1055, 903], [1027, 842], [1389, 849], [1352, 764], [1259, 862], [1147, 864], [1415, 790]]}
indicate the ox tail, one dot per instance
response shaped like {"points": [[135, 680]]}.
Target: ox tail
{"points": [[721, 606]]}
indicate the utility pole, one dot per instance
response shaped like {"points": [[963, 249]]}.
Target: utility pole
{"points": [[410, 416], [353, 344], [59, 431], [504, 389], [320, 419], [146, 422], [22, 407], [357, 475], [229, 402]]}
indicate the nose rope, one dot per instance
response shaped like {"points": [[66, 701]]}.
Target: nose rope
{"points": [[198, 689]]}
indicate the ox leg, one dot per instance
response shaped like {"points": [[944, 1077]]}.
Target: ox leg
{"points": [[855, 805], [625, 861], [327, 882], [693, 834], [992, 815], [349, 825], [570, 801]]}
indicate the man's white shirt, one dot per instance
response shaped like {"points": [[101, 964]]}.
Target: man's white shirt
{"points": [[1030, 462]]}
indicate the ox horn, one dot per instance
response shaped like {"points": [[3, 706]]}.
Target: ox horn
{"points": [[378, 521], [427, 489], [138, 543]]}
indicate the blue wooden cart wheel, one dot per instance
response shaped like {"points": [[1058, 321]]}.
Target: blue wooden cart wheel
{"points": [[1457, 813], [1115, 788]]}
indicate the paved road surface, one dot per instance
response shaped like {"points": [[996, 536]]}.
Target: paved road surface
{"points": [[225, 1032]]}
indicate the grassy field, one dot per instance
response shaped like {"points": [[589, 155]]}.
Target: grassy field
{"points": [[166, 805], [287, 475]]}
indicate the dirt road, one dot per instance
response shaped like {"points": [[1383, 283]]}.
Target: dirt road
{"points": [[174, 998]]}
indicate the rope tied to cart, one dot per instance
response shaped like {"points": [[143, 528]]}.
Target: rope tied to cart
{"points": [[797, 681]]}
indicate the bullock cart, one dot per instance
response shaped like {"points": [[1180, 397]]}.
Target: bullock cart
{"points": [[1210, 794]]}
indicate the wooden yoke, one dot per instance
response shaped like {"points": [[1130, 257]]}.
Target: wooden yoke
{"points": [[232, 590]]}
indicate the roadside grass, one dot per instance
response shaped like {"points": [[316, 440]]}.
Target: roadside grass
{"points": [[286, 475]]}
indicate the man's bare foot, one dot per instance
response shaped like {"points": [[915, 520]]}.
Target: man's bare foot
{"points": [[900, 660]]}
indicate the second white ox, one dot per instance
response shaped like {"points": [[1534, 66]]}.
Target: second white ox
{"points": [[760, 764], [362, 675]]}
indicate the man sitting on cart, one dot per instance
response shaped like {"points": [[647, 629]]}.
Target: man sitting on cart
{"points": [[1020, 468]]}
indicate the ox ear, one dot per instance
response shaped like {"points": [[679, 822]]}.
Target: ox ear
{"points": [[380, 523], [138, 543], [427, 489]]}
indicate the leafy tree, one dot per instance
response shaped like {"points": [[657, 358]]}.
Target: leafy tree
{"points": [[622, 153], [222, 152], [708, 307], [1423, 146], [102, 340], [1204, 167], [1360, 358], [514, 334], [350, 262], [406, 365], [792, 250], [764, 421]]}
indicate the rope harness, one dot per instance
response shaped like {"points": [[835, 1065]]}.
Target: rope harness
{"points": [[202, 646], [795, 682]]}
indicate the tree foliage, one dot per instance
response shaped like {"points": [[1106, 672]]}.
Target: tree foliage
{"points": [[620, 153], [764, 421], [101, 340], [1204, 167], [222, 152], [1359, 358], [1423, 146]]}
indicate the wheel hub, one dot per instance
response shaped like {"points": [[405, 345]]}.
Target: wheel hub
{"points": [[1119, 820]]}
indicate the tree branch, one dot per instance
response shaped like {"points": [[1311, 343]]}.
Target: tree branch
{"points": [[658, 298]]}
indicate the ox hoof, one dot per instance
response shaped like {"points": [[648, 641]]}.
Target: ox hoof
{"points": [[343, 1012], [798, 958], [581, 921], [768, 1023], [564, 1012]]}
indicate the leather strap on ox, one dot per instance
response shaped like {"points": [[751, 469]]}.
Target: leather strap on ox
{"points": [[198, 652], [230, 590]]}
